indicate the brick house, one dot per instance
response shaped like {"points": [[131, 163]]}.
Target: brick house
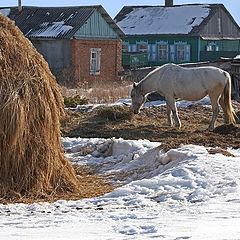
{"points": [[80, 44]]}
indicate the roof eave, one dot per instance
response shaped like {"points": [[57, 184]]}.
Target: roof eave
{"points": [[110, 21]]}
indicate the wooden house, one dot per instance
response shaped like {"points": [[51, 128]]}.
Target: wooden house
{"points": [[80, 44], [155, 35]]}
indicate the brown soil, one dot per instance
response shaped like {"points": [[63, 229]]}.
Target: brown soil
{"points": [[151, 124]]}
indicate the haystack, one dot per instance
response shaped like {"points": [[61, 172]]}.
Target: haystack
{"points": [[32, 162]]}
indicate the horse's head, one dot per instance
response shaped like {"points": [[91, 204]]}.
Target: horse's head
{"points": [[137, 98]]}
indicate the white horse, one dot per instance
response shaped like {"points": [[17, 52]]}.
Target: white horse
{"points": [[192, 84]]}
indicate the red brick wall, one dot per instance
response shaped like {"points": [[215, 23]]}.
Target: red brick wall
{"points": [[111, 60]]}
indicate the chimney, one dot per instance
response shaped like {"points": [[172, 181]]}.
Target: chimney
{"points": [[168, 3], [19, 5]]}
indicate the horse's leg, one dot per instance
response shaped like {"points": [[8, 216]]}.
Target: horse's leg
{"points": [[172, 105], [169, 116], [215, 110]]}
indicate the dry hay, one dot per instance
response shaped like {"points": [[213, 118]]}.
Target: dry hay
{"points": [[114, 113], [32, 162]]}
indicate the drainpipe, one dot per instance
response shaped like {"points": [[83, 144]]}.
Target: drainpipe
{"points": [[19, 5]]}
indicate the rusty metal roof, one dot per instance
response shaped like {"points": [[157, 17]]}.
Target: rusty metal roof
{"points": [[55, 22]]}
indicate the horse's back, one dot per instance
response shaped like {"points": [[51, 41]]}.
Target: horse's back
{"points": [[191, 83]]}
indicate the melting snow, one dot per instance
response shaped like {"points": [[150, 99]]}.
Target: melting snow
{"points": [[53, 29], [181, 194], [163, 20]]}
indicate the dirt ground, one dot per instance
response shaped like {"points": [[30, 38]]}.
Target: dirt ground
{"points": [[151, 124]]}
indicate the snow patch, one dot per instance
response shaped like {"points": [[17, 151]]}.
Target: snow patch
{"points": [[163, 20], [5, 11]]}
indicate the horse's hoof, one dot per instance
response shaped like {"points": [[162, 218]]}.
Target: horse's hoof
{"points": [[210, 129]]}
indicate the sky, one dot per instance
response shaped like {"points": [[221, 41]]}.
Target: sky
{"points": [[113, 7]]}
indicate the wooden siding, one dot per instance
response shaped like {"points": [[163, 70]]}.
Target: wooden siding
{"points": [[223, 45], [170, 40], [198, 48], [226, 48], [220, 25], [96, 27]]}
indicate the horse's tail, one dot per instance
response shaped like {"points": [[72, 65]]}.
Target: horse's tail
{"points": [[230, 113]]}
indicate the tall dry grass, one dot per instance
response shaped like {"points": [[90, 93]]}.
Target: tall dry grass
{"points": [[32, 162], [100, 92]]}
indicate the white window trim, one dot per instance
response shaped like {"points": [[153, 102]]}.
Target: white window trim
{"points": [[212, 47]]}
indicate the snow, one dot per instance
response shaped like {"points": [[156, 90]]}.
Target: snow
{"points": [[5, 11], [163, 20], [54, 29], [184, 193]]}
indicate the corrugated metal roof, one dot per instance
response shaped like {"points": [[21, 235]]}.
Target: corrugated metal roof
{"points": [[55, 22]]}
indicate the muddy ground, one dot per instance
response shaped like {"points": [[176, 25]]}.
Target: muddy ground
{"points": [[151, 124]]}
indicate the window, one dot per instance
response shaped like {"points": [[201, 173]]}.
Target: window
{"points": [[180, 53], [142, 47], [95, 60], [212, 46], [163, 52], [125, 47], [209, 48]]}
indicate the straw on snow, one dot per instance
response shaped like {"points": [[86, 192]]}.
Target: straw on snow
{"points": [[32, 161]]}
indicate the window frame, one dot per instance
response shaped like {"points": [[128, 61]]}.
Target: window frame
{"points": [[166, 50], [180, 53], [142, 47], [212, 47]]}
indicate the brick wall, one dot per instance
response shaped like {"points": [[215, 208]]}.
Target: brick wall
{"points": [[111, 60]]}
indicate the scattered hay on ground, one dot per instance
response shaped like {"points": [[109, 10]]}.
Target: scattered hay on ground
{"points": [[114, 113], [74, 101]]}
